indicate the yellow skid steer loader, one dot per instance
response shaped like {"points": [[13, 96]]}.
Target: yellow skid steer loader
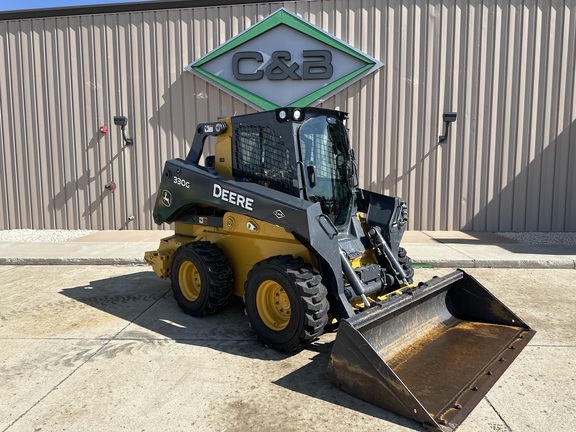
{"points": [[276, 216]]}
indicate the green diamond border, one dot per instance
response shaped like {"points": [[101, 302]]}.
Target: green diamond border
{"points": [[282, 17]]}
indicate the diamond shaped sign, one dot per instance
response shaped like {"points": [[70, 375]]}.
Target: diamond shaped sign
{"points": [[283, 61]]}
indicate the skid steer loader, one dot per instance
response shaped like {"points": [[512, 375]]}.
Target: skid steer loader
{"points": [[276, 216]]}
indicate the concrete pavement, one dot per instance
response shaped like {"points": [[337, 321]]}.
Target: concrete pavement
{"points": [[105, 348], [440, 249]]}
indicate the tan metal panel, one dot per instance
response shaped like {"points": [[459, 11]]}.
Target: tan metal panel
{"points": [[565, 161], [28, 171], [21, 92], [9, 95], [4, 124], [507, 68], [91, 122], [508, 95], [10, 217], [135, 106]]}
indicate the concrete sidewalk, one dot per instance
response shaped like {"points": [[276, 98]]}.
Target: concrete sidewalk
{"points": [[442, 249]]}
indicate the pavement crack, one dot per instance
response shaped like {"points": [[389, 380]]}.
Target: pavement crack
{"points": [[7, 268], [499, 415], [115, 337]]}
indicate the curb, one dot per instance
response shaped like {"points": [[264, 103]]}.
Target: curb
{"points": [[73, 261], [560, 264], [563, 264]]}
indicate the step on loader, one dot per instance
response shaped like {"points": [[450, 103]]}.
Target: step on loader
{"points": [[272, 212]]}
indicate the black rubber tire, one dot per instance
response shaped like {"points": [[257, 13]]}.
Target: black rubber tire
{"points": [[201, 278], [302, 286], [406, 263]]}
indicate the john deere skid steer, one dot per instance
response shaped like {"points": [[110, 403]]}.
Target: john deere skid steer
{"points": [[276, 216]]}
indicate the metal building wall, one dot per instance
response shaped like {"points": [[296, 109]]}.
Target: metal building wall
{"points": [[507, 68]]}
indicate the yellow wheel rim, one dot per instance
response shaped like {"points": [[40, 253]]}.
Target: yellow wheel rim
{"points": [[273, 305], [189, 281]]}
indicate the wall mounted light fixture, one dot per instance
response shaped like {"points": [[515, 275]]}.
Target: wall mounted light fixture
{"points": [[122, 121], [448, 117]]}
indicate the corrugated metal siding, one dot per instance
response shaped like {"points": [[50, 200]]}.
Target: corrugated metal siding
{"points": [[507, 68]]}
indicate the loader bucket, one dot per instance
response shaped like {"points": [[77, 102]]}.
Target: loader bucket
{"points": [[430, 353]]}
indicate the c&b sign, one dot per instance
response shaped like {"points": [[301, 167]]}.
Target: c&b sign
{"points": [[283, 61]]}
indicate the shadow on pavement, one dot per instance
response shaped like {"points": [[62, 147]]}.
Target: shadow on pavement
{"points": [[147, 304], [306, 380]]}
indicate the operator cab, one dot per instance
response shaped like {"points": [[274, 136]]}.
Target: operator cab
{"points": [[303, 152]]}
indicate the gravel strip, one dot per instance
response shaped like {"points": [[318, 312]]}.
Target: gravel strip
{"points": [[41, 236], [551, 238]]}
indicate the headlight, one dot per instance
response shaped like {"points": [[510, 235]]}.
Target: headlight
{"points": [[220, 127], [297, 115]]}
